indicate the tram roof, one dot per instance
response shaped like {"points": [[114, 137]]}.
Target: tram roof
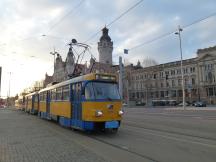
{"points": [[91, 76], [31, 94]]}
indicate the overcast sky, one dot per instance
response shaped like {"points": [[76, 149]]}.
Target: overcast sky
{"points": [[25, 53]]}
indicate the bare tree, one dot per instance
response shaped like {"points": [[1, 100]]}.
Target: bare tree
{"points": [[147, 62]]}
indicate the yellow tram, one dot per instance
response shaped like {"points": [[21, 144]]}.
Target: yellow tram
{"points": [[86, 102]]}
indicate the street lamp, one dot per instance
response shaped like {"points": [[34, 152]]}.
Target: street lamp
{"points": [[54, 53], [9, 87], [182, 75]]}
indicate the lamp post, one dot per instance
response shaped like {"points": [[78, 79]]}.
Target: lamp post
{"points": [[9, 87], [182, 75], [54, 53]]}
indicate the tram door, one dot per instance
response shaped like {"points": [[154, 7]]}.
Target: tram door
{"points": [[48, 103], [76, 102]]}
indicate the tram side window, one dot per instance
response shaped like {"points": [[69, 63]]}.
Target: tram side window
{"points": [[59, 94], [89, 93], [41, 96], [36, 98], [53, 94], [44, 96], [66, 93]]}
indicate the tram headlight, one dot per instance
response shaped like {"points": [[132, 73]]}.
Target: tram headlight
{"points": [[121, 112], [98, 113]]}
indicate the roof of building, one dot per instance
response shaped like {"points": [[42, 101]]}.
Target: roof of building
{"points": [[206, 49], [105, 35]]}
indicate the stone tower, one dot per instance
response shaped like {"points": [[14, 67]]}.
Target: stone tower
{"points": [[105, 47], [70, 62]]}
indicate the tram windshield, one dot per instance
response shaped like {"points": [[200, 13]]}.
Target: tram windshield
{"points": [[102, 91]]}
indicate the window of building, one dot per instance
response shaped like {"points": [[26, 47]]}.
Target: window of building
{"points": [[167, 72], [180, 93], [152, 94], [173, 83], [157, 94], [162, 84], [186, 81], [161, 74], [167, 84], [172, 72], [178, 71], [215, 91], [211, 92], [137, 94], [185, 70], [166, 93], [194, 69], [193, 81], [173, 93], [179, 82], [162, 94]]}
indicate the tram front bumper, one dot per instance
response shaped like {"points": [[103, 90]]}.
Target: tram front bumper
{"points": [[111, 124]]}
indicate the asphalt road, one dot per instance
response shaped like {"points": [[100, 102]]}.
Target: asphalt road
{"points": [[154, 134]]}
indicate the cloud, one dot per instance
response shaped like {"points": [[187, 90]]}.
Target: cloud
{"points": [[23, 22]]}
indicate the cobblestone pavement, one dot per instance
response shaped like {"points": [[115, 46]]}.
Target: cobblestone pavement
{"points": [[27, 138]]}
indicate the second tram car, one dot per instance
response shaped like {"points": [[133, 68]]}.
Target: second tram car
{"points": [[32, 103]]}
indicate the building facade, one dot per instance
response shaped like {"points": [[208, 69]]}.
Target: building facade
{"points": [[64, 70], [159, 82], [163, 82]]}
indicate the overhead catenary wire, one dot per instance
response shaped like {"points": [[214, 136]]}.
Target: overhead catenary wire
{"points": [[116, 19], [54, 25], [66, 15], [171, 32]]}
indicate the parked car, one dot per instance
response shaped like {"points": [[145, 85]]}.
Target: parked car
{"points": [[186, 104], [200, 104], [124, 104], [139, 103], [2, 106]]}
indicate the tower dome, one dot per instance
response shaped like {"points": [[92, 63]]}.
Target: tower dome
{"points": [[105, 36]]}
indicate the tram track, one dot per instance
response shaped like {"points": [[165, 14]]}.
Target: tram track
{"points": [[133, 124], [83, 135], [124, 149]]}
